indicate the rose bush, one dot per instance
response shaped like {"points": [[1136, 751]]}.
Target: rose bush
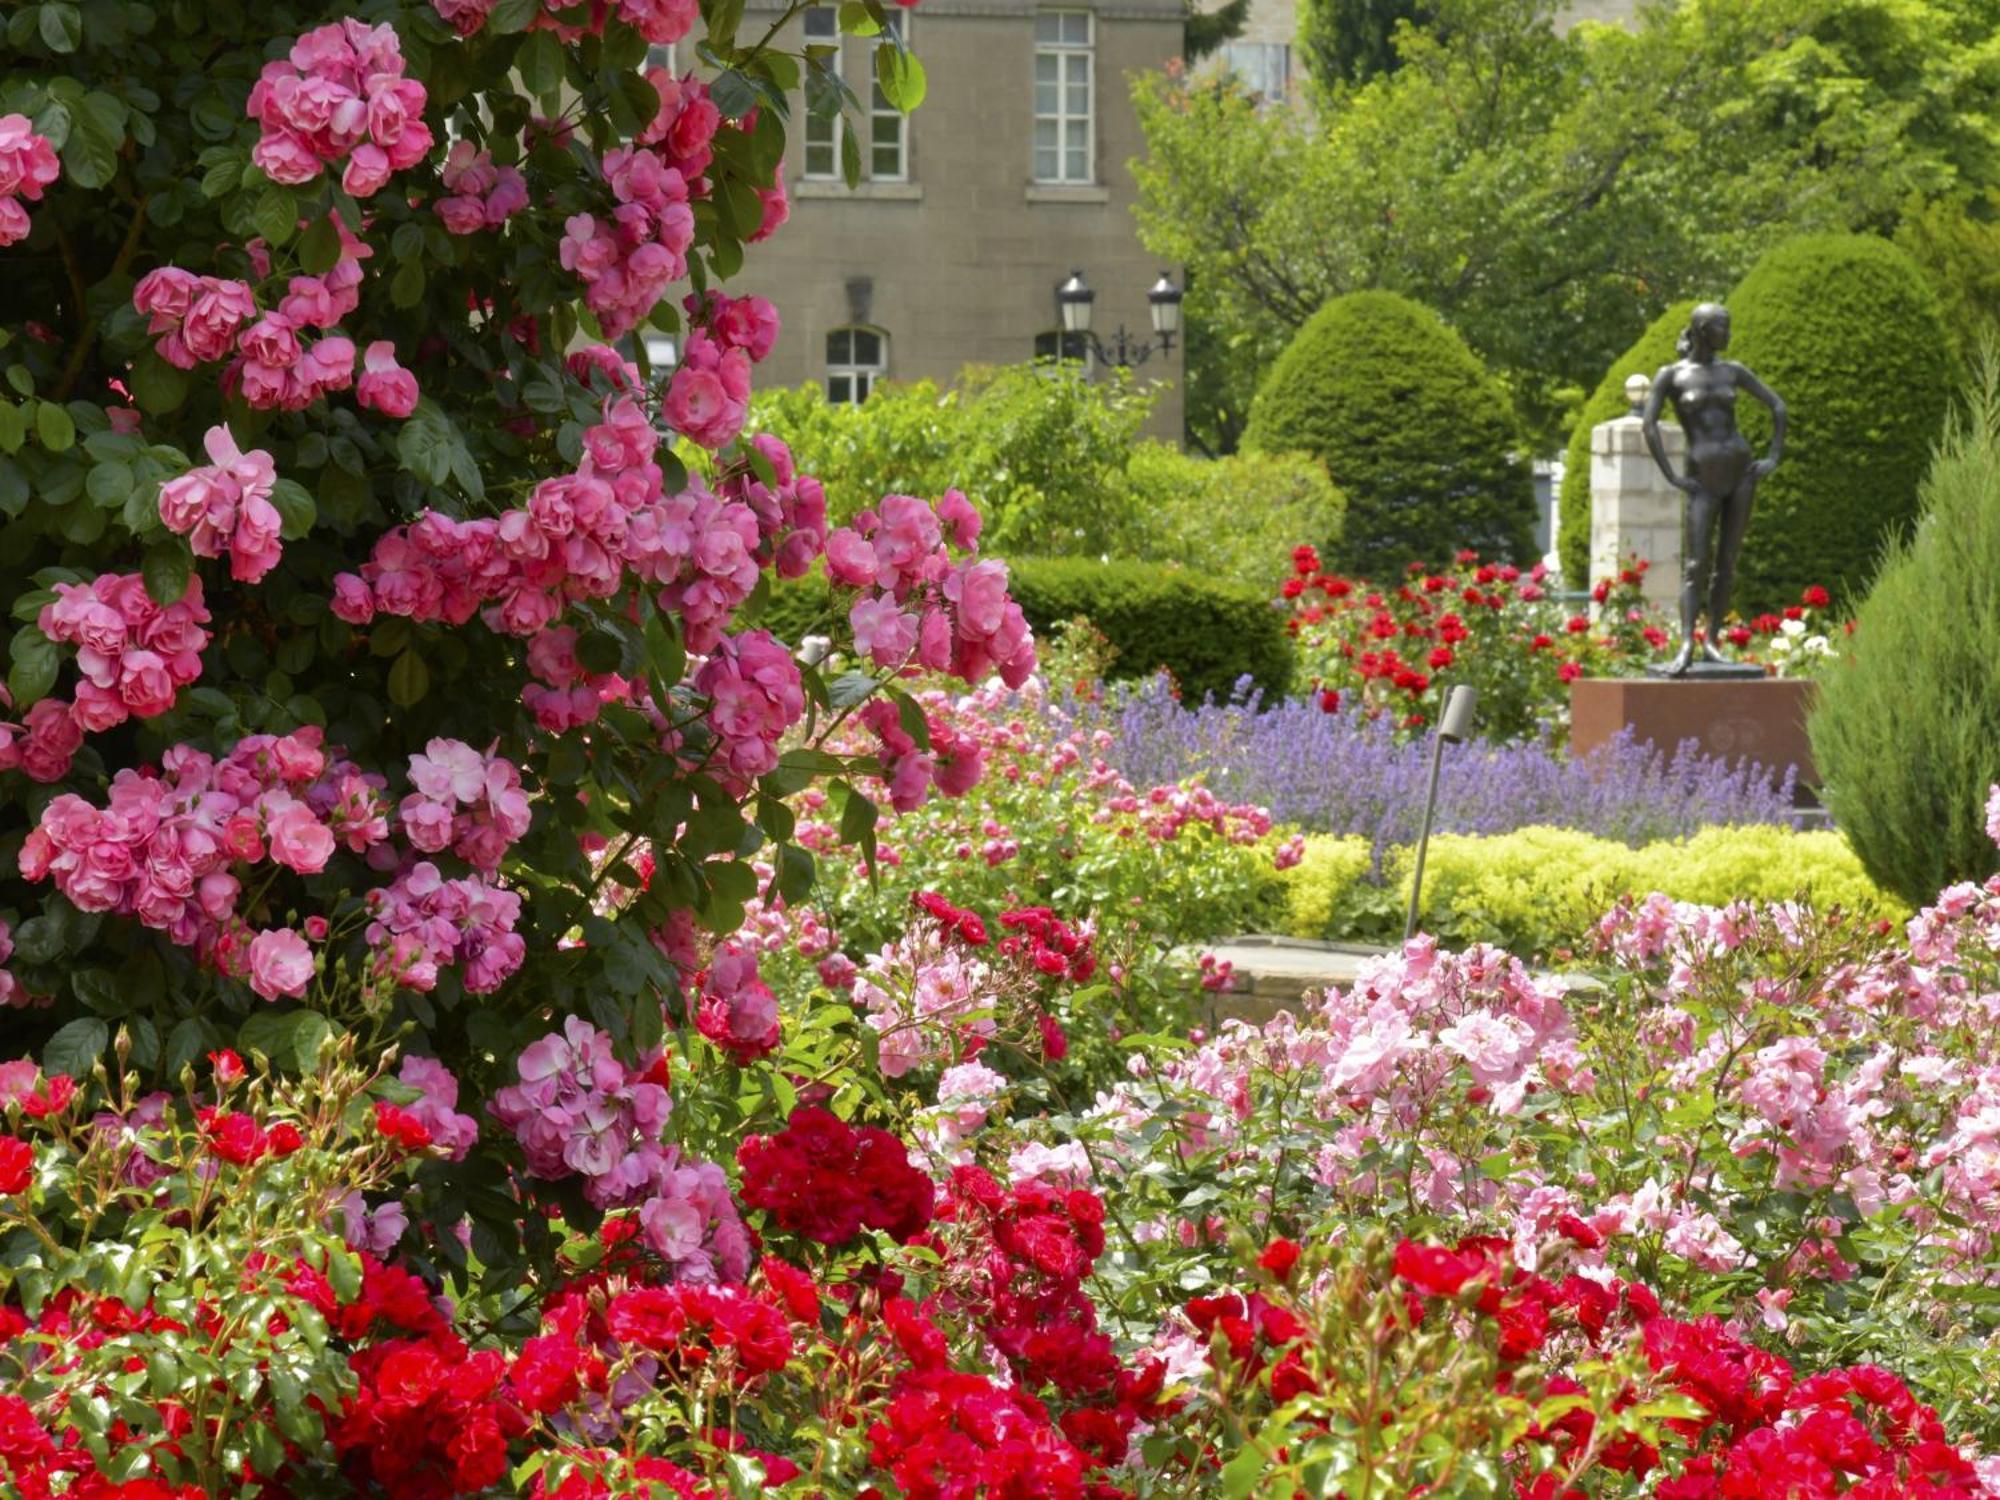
{"points": [[1501, 629]]}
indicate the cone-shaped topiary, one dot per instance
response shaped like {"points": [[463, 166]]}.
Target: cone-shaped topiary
{"points": [[1847, 329], [1416, 434], [1653, 348], [1907, 731]]}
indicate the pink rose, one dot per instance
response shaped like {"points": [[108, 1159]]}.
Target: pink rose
{"points": [[368, 171], [218, 310], [285, 158], [353, 601], [299, 841], [280, 963], [850, 559], [385, 386], [145, 684]]}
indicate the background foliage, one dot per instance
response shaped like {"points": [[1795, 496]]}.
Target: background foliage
{"points": [[1907, 731]]}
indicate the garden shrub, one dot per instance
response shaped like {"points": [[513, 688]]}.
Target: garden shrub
{"points": [[1652, 349], [1419, 438], [1907, 727], [1208, 633], [1539, 889], [1320, 888], [1849, 332], [1043, 451], [1273, 502]]}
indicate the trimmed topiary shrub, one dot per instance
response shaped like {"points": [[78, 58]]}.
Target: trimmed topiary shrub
{"points": [[1849, 331], [1907, 728], [1653, 348], [1208, 633], [1419, 438]]}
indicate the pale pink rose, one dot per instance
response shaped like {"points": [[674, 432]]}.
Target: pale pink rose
{"points": [[254, 547], [98, 708], [353, 601], [463, 214], [368, 171], [218, 310], [145, 684], [299, 841], [280, 963], [385, 386], [165, 295], [285, 158], [850, 559], [14, 222], [882, 630]]}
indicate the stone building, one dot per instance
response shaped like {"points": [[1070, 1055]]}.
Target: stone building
{"points": [[972, 210]]}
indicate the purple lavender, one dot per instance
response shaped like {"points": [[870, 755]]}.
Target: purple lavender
{"points": [[1340, 773]]}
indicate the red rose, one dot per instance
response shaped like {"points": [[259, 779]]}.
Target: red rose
{"points": [[1279, 1257], [227, 1065], [17, 1165], [400, 1126], [1816, 597]]}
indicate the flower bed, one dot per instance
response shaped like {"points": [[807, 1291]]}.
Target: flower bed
{"points": [[1394, 651]]}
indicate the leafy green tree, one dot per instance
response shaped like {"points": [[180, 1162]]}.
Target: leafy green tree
{"points": [[1350, 41], [1848, 331], [1205, 30], [1417, 435], [1549, 194], [1907, 730]]}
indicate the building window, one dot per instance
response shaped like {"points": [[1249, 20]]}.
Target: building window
{"points": [[888, 127], [855, 359], [1264, 68], [1064, 147], [1052, 345], [661, 55], [885, 129], [822, 163]]}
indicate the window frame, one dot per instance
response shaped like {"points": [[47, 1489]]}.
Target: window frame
{"points": [[879, 109], [1062, 51], [861, 376], [835, 125]]}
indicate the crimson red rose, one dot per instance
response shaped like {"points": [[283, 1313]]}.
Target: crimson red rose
{"points": [[17, 1165]]}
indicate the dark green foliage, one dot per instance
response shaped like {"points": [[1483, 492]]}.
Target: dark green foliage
{"points": [[1350, 41], [1907, 731], [1206, 632], [1202, 31], [1411, 428], [1654, 347], [1848, 330]]}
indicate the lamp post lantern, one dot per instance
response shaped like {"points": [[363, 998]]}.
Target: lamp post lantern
{"points": [[1124, 349], [1454, 726]]}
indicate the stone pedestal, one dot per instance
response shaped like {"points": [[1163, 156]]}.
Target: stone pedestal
{"points": [[1632, 507], [1760, 719]]}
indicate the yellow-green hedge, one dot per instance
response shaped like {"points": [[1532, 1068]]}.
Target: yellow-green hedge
{"points": [[1543, 888]]}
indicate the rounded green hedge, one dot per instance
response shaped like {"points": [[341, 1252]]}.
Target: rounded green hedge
{"points": [[1653, 348], [1208, 632], [1848, 330], [1418, 436]]}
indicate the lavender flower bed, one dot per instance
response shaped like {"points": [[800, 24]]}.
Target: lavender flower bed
{"points": [[1338, 773]]}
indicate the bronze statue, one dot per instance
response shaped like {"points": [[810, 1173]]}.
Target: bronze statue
{"points": [[1721, 478]]}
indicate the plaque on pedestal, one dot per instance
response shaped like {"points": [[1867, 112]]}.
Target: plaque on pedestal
{"points": [[1758, 718]]}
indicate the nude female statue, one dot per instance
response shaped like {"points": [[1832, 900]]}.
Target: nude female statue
{"points": [[1721, 478]]}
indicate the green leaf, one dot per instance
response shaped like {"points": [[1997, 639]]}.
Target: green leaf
{"points": [[33, 673], [857, 819], [319, 247], [62, 27], [295, 507], [166, 571], [99, 989], [156, 385], [510, 16], [54, 427], [406, 289], [409, 680], [109, 484], [540, 64], [901, 77], [75, 1048], [276, 216], [733, 94]]}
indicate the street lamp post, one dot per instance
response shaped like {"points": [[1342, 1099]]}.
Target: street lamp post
{"points": [[1073, 304]]}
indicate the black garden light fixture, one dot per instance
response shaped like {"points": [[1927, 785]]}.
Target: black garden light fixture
{"points": [[1124, 350]]}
